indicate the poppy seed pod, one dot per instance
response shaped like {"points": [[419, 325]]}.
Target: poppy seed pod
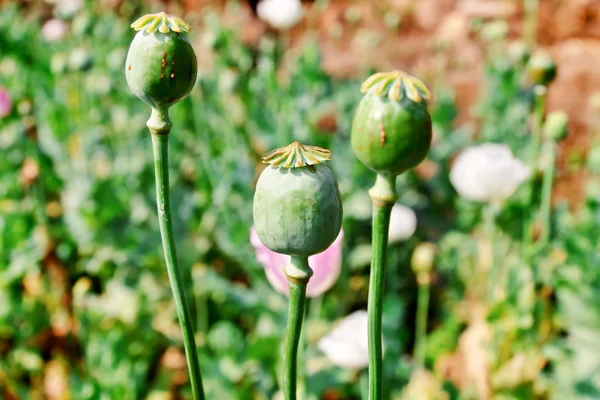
{"points": [[391, 130], [297, 203], [541, 68], [423, 257], [161, 65]]}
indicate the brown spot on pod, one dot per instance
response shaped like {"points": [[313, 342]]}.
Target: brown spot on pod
{"points": [[381, 135], [163, 64], [129, 67]]}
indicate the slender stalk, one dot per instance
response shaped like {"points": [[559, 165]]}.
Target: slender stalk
{"points": [[538, 123], [300, 359], [530, 23], [298, 273], [160, 145], [315, 307], [490, 231], [383, 196], [202, 322], [547, 183], [313, 312], [421, 328], [309, 311], [536, 140]]}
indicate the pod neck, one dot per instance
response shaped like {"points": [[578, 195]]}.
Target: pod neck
{"points": [[298, 271], [383, 193], [159, 122]]}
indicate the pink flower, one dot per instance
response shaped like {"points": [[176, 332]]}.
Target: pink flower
{"points": [[326, 266], [5, 102]]}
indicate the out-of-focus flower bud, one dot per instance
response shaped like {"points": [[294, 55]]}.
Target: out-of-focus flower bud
{"points": [[556, 126], [519, 53], [80, 59], [423, 258], [541, 68], [422, 261]]}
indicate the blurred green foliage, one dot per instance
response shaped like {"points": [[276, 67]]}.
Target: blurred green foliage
{"points": [[85, 306]]}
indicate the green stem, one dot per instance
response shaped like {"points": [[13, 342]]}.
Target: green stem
{"points": [[301, 360], [547, 183], [298, 273], [316, 305], [301, 390], [313, 313], [421, 332], [490, 230], [536, 140], [538, 123], [160, 145], [202, 322], [383, 196]]}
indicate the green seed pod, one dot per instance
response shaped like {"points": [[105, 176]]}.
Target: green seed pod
{"points": [[391, 131], [297, 203], [556, 126], [161, 65], [541, 68]]}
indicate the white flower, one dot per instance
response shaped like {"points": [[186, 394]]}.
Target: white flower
{"points": [[280, 14], [347, 345], [54, 29], [488, 172], [403, 223]]}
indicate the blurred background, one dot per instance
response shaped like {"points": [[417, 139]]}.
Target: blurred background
{"points": [[85, 307]]}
